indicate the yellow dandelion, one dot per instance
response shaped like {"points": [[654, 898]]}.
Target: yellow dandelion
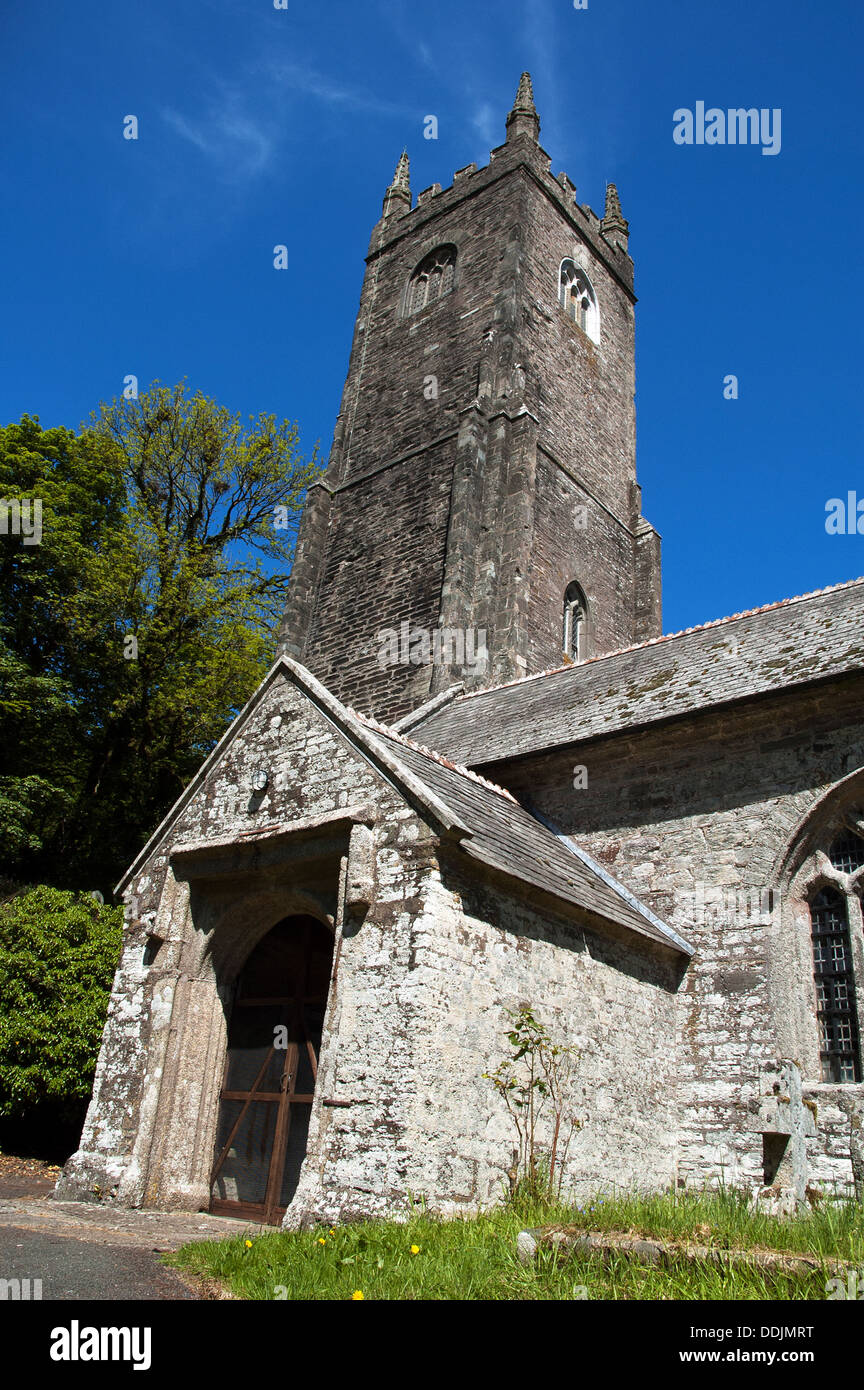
{"points": [[415, 1249], [248, 1245], [356, 1295], [321, 1240]]}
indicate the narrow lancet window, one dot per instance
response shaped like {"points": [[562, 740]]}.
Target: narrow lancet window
{"points": [[574, 623]]}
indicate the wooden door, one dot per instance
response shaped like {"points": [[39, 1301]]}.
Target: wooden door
{"points": [[274, 1038]]}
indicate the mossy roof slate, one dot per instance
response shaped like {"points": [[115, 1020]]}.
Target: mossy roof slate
{"points": [[767, 650]]}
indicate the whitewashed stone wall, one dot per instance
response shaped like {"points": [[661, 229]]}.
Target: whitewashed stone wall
{"points": [[416, 1016], [698, 819], [421, 1018]]}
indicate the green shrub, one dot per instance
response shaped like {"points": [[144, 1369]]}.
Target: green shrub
{"points": [[58, 952]]}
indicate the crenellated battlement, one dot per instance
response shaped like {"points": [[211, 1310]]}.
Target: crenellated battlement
{"points": [[607, 236]]}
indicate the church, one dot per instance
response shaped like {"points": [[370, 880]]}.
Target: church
{"points": [[479, 775]]}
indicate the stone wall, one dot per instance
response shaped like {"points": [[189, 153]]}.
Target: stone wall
{"points": [[697, 818], [420, 1017], [591, 547], [383, 566]]}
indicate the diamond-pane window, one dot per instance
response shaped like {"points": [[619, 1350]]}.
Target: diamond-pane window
{"points": [[835, 987], [847, 852]]}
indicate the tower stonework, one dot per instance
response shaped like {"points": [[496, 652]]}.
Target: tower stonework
{"points": [[483, 460]]}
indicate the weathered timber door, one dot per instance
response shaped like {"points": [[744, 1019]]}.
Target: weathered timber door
{"points": [[274, 1037]]}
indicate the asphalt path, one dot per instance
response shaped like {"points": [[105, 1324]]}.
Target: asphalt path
{"points": [[87, 1251], [72, 1269]]}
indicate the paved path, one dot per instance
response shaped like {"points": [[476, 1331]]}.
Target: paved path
{"points": [[71, 1270], [81, 1250]]}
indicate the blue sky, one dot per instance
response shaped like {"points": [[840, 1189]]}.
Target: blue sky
{"points": [[260, 126]]}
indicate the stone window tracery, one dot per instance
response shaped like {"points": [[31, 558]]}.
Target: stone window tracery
{"points": [[578, 300], [432, 279]]}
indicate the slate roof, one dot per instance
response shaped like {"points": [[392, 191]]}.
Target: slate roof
{"points": [[487, 821], [508, 838], [779, 647]]}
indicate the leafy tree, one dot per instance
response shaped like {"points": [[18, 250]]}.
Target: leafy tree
{"points": [[58, 953], [44, 669], [138, 628]]}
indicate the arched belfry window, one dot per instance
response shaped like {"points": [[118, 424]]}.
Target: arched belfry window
{"points": [[578, 300], [836, 1004], [432, 278], [575, 623]]}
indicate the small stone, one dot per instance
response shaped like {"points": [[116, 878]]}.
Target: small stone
{"points": [[526, 1247]]}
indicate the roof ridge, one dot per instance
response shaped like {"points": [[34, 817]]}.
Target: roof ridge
{"points": [[390, 732], [665, 637]]}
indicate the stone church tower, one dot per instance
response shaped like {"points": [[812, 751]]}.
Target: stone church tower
{"points": [[482, 479]]}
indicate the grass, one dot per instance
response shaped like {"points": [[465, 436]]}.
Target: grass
{"points": [[475, 1258]]}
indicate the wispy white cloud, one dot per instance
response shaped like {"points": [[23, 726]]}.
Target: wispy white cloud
{"points": [[305, 81], [234, 128], [538, 36], [238, 145], [395, 15], [486, 122], [425, 56]]}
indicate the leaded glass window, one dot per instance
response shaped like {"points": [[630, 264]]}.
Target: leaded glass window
{"points": [[847, 852], [836, 1006]]}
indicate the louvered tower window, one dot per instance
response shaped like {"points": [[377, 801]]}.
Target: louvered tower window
{"points": [[432, 278], [836, 1007]]}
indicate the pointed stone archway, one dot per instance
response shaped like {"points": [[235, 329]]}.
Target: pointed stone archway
{"points": [[274, 1038], [220, 901]]}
